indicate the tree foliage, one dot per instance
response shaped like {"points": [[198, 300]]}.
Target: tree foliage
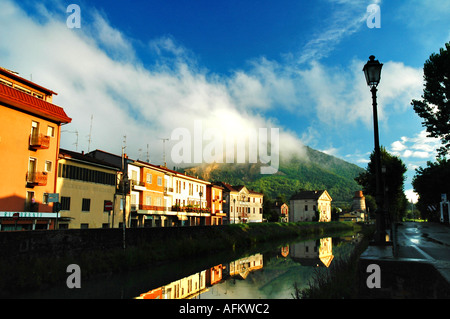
{"points": [[434, 108], [430, 182], [392, 182]]}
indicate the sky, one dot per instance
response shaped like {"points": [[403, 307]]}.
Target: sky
{"points": [[135, 72]]}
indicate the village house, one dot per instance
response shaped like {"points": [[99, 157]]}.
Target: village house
{"points": [[281, 210], [30, 129], [310, 206], [242, 205], [87, 191]]}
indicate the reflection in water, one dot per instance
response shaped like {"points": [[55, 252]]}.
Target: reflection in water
{"points": [[256, 276]]}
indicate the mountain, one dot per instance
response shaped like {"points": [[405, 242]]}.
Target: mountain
{"points": [[316, 170]]}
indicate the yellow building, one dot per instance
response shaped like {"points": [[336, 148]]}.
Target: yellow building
{"points": [[306, 205], [86, 187]]}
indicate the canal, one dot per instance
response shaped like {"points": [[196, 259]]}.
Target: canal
{"points": [[266, 271]]}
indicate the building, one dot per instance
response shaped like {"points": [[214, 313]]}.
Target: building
{"points": [[242, 205], [156, 197], [281, 210], [190, 198], [215, 201], [310, 206], [86, 186], [358, 211], [30, 127]]}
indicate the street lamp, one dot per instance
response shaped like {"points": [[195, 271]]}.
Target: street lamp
{"points": [[201, 194], [372, 72], [234, 218]]}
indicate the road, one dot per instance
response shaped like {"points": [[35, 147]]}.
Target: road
{"points": [[418, 266]]}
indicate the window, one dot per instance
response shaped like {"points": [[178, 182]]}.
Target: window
{"points": [[306, 207], [45, 199], [148, 200], [159, 181], [34, 128], [84, 226], [149, 178], [86, 205], [51, 131], [48, 166], [65, 203]]}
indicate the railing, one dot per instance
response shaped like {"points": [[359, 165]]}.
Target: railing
{"points": [[188, 209], [39, 141], [137, 183], [37, 178], [152, 207]]}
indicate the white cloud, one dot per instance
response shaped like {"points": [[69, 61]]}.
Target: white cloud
{"points": [[420, 146], [95, 71]]}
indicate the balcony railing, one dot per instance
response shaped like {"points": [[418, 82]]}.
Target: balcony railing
{"points": [[37, 178], [152, 207], [188, 209], [39, 141]]}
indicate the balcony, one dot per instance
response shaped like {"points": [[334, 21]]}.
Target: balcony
{"points": [[137, 185], [152, 207], [168, 190], [39, 141], [37, 178]]}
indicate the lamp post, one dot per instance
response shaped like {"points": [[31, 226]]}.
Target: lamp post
{"points": [[201, 194], [234, 218], [372, 72]]}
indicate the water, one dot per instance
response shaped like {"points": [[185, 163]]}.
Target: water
{"points": [[267, 272]]}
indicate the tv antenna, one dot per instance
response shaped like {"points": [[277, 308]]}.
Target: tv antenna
{"points": [[164, 150], [90, 135]]}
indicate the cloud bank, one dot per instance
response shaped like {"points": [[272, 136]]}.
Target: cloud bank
{"points": [[97, 72]]}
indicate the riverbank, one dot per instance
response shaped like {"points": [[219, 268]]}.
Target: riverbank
{"points": [[144, 247]]}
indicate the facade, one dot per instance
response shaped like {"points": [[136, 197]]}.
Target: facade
{"points": [[310, 206], [358, 212], [30, 127], [155, 199], [242, 205], [282, 211], [215, 201], [85, 185], [189, 199]]}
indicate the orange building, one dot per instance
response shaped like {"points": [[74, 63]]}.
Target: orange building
{"points": [[30, 126], [214, 198]]}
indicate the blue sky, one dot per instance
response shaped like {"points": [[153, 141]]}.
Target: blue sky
{"points": [[144, 68]]}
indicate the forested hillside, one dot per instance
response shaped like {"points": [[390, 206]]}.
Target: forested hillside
{"points": [[316, 171]]}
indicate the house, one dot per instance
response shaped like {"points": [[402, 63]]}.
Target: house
{"points": [[310, 206], [30, 128], [215, 201], [85, 186], [242, 205], [282, 211]]}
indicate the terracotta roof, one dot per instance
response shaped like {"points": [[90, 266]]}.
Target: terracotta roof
{"points": [[28, 103]]}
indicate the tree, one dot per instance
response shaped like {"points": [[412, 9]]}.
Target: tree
{"points": [[392, 181], [434, 109], [430, 182]]}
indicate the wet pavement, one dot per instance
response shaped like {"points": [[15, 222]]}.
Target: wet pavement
{"points": [[415, 265]]}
